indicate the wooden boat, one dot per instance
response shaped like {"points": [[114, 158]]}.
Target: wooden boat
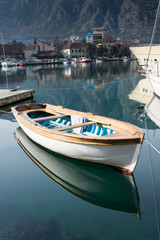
{"points": [[98, 184], [81, 135]]}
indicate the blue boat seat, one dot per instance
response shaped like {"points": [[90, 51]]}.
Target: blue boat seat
{"points": [[92, 130], [61, 122], [95, 130]]}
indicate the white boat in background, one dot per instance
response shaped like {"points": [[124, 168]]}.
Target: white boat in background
{"points": [[74, 60], [8, 63], [97, 184], [66, 61], [81, 135], [84, 60], [125, 59], [154, 79], [152, 109], [99, 60]]}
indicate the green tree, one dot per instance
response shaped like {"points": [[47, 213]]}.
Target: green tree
{"points": [[58, 54], [112, 50], [101, 51], [14, 42], [57, 43], [91, 48], [125, 51]]}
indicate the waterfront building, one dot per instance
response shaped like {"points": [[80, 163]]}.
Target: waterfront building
{"points": [[74, 50], [11, 51], [45, 46], [30, 51], [41, 49], [98, 36]]}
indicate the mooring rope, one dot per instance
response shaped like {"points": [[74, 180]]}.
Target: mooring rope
{"points": [[5, 111], [152, 146]]}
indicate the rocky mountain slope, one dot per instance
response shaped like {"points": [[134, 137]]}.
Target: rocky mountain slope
{"points": [[26, 19]]}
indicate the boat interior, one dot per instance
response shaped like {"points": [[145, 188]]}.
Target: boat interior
{"points": [[70, 123]]}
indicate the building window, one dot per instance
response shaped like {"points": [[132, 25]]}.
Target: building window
{"points": [[72, 50], [76, 50], [79, 50]]}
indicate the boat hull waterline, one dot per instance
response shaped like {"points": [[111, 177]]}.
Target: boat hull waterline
{"points": [[120, 150]]}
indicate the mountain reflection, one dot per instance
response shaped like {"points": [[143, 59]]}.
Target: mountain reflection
{"points": [[97, 184]]}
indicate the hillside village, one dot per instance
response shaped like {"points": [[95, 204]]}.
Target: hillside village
{"points": [[96, 44]]}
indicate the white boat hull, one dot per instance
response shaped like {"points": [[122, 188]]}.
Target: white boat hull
{"points": [[120, 156], [105, 187], [155, 82], [8, 64], [152, 110]]}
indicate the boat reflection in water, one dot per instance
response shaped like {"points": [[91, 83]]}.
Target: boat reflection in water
{"points": [[95, 183], [152, 109]]}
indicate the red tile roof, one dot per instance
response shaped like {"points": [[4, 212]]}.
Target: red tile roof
{"points": [[10, 49], [46, 54], [32, 47], [74, 46]]}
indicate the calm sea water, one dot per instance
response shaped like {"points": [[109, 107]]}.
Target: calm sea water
{"points": [[46, 196]]}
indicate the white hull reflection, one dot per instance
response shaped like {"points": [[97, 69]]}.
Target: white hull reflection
{"points": [[98, 184]]}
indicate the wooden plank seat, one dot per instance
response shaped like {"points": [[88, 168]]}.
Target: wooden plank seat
{"points": [[49, 117], [75, 126], [57, 122]]}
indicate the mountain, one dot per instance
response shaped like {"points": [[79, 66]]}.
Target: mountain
{"points": [[46, 19]]}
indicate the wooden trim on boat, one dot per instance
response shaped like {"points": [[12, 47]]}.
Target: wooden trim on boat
{"points": [[127, 133], [113, 139], [50, 117]]}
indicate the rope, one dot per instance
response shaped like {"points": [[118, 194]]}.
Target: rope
{"points": [[152, 146], [154, 190], [148, 215], [4, 111]]}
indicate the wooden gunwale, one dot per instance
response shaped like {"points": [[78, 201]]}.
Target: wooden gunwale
{"points": [[114, 124], [112, 139]]}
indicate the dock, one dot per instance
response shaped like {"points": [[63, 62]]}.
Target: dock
{"points": [[10, 96]]}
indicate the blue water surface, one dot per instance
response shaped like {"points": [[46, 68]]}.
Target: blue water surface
{"points": [[78, 201]]}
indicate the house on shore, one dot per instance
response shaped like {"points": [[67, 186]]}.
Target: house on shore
{"points": [[74, 50], [30, 51], [11, 51], [41, 49]]}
